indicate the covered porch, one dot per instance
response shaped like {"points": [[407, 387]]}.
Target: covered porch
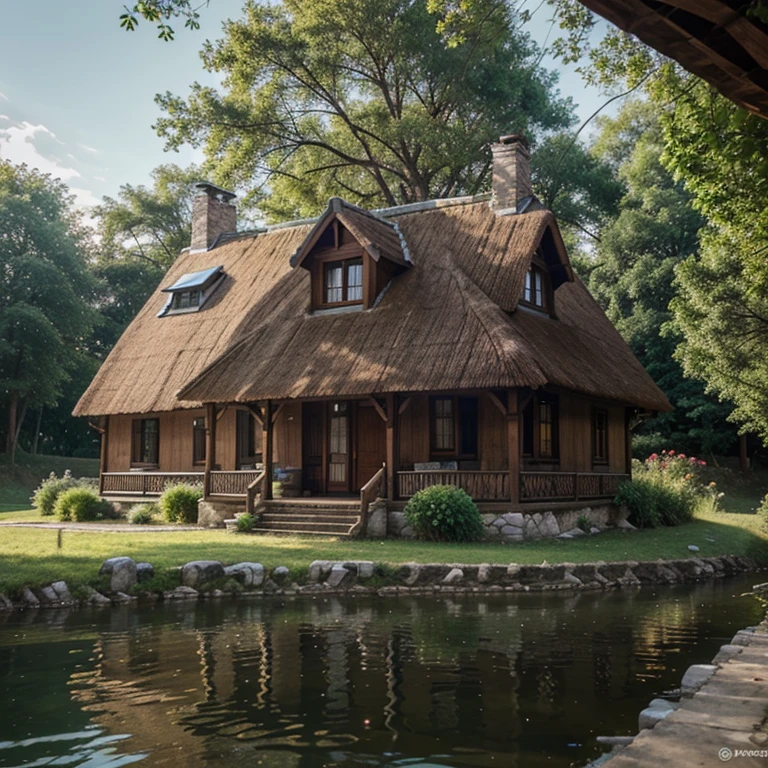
{"points": [[512, 447]]}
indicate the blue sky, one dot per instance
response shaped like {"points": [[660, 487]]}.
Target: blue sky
{"points": [[77, 92]]}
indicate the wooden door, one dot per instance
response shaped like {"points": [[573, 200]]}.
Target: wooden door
{"points": [[313, 447], [371, 443], [338, 448]]}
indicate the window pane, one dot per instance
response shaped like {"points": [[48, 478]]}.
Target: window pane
{"points": [[545, 429], [355, 280], [334, 283], [528, 430], [601, 435], [468, 422], [198, 441], [194, 298], [149, 430], [527, 294], [538, 299], [444, 425]]}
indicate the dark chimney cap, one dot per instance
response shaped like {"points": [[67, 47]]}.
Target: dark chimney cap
{"points": [[513, 138], [213, 191]]}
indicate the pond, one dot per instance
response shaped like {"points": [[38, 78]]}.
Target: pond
{"points": [[521, 680]]}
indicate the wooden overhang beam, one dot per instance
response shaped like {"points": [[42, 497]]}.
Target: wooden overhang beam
{"points": [[703, 41], [278, 411], [377, 405], [495, 400]]}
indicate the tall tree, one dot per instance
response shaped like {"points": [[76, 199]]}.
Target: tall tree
{"points": [[634, 276], [45, 296], [361, 98]]}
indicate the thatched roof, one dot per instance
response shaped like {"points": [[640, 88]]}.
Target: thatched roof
{"points": [[449, 322], [722, 41]]}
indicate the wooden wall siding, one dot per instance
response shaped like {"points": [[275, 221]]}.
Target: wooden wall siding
{"points": [[287, 445], [575, 434], [414, 432], [175, 440], [616, 439], [492, 436]]}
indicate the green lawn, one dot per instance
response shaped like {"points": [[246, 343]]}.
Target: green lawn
{"points": [[30, 556]]}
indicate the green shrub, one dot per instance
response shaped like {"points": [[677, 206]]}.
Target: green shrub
{"points": [[142, 514], [178, 503], [81, 505], [245, 523], [762, 511], [44, 497], [444, 513], [582, 522]]}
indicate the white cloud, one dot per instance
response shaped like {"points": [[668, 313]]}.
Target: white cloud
{"points": [[17, 144], [88, 149], [84, 197], [99, 178], [3, 97]]}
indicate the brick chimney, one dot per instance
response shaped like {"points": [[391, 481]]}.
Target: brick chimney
{"points": [[212, 215], [511, 172]]}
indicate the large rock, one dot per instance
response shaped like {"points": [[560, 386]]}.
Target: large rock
{"points": [[121, 572], [652, 715], [5, 603], [281, 574], [200, 572], [339, 576], [695, 677], [248, 574], [62, 592], [377, 520], [365, 569], [455, 576], [145, 572], [96, 598], [48, 596], [318, 570], [29, 598]]}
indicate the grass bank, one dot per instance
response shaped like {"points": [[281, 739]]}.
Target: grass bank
{"points": [[30, 556], [17, 481]]}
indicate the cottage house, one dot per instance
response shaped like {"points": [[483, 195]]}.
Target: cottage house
{"points": [[373, 353]]}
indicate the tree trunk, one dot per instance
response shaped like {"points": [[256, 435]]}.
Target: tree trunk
{"points": [[37, 431], [743, 455], [19, 424]]}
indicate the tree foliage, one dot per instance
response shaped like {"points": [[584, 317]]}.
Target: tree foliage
{"points": [[159, 13], [46, 295], [634, 275], [360, 98]]}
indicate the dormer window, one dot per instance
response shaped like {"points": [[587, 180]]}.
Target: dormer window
{"points": [[352, 256], [343, 282], [535, 292], [191, 291]]}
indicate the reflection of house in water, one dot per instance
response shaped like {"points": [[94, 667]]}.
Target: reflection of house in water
{"points": [[308, 683]]}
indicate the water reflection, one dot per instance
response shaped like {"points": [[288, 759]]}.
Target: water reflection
{"points": [[525, 680]]}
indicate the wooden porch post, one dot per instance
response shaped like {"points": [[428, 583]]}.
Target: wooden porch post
{"points": [[267, 446], [513, 446], [391, 445], [104, 453], [210, 447]]}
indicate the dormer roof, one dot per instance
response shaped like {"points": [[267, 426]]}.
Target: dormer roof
{"points": [[378, 237]]}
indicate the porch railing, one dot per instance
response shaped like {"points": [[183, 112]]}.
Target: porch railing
{"points": [[480, 485], [234, 483], [368, 493], [567, 486], [144, 483]]}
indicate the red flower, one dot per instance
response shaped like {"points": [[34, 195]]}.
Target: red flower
{"points": [[680, 455], [671, 453], [653, 457]]}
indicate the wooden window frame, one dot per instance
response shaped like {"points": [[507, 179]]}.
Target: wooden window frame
{"points": [[455, 453], [538, 267], [198, 450], [597, 459], [177, 299], [345, 264], [537, 457], [137, 459]]}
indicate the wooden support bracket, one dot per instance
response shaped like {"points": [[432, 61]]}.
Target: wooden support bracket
{"points": [[495, 400], [377, 405], [404, 406], [277, 412]]}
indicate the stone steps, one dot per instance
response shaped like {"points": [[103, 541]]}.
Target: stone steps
{"points": [[266, 525]]}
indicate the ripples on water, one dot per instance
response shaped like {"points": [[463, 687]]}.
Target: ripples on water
{"points": [[524, 680]]}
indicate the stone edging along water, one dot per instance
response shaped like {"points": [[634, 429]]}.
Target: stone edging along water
{"points": [[123, 578], [718, 713]]}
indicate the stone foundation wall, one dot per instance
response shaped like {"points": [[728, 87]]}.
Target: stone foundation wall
{"points": [[524, 526]]}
